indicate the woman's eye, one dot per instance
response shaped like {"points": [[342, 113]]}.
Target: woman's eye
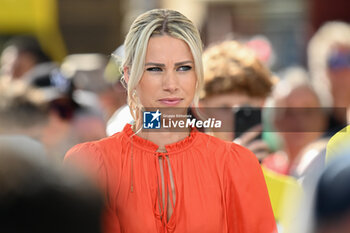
{"points": [[154, 69], [184, 68]]}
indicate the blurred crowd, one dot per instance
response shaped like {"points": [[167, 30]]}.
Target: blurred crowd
{"points": [[46, 108]]}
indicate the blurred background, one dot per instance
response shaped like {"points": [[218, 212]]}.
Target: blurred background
{"points": [[87, 26], [60, 86]]}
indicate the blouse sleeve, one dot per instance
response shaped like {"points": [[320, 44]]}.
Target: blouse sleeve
{"points": [[88, 159], [247, 201]]}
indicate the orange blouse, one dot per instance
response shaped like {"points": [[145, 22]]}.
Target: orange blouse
{"points": [[219, 186]]}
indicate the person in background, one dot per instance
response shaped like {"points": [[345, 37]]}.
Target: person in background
{"points": [[21, 56], [40, 113], [39, 197], [121, 115], [332, 205], [324, 208], [85, 72], [329, 65], [338, 143], [234, 77], [301, 121], [23, 110], [99, 89], [61, 130], [29, 147], [172, 181], [46, 111]]}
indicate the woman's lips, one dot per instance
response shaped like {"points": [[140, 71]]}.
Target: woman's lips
{"points": [[170, 101]]}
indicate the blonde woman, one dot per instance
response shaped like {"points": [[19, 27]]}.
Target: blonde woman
{"points": [[172, 181]]}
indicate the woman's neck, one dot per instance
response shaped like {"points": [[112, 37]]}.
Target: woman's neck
{"points": [[163, 138]]}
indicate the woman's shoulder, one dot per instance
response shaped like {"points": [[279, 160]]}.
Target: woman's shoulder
{"points": [[228, 147], [211, 140], [95, 158], [226, 151], [231, 156], [96, 151]]}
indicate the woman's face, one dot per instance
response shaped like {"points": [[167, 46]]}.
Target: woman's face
{"points": [[299, 118], [169, 77], [339, 75]]}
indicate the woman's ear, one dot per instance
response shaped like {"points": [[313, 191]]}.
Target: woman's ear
{"points": [[126, 74]]}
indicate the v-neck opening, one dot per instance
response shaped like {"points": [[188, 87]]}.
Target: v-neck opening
{"points": [[163, 190]]}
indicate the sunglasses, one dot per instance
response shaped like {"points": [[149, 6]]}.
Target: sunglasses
{"points": [[339, 60]]}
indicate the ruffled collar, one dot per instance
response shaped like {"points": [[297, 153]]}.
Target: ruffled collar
{"points": [[152, 147]]}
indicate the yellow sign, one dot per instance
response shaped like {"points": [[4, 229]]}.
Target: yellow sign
{"points": [[34, 17]]}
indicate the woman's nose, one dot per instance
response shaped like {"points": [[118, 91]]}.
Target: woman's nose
{"points": [[170, 81]]}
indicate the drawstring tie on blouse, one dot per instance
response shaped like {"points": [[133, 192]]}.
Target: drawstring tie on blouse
{"points": [[163, 195]]}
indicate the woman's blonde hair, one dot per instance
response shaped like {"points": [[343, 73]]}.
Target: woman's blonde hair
{"points": [[151, 23]]}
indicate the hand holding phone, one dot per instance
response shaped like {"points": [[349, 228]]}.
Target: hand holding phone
{"points": [[245, 118], [248, 131]]}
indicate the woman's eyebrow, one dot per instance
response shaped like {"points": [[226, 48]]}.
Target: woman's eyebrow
{"points": [[183, 63], [154, 64], [163, 65]]}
